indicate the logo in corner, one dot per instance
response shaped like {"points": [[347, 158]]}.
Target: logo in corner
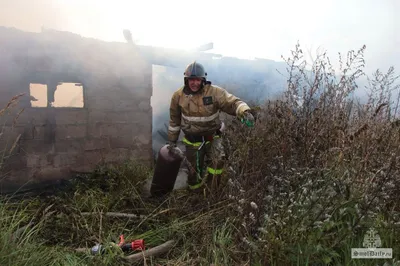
{"points": [[372, 244], [372, 239]]}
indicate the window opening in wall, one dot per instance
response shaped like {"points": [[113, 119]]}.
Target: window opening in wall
{"points": [[38, 94], [68, 95]]}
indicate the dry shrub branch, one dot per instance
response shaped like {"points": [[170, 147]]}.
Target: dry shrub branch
{"points": [[319, 168]]}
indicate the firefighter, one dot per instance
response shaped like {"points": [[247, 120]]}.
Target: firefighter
{"points": [[194, 109]]}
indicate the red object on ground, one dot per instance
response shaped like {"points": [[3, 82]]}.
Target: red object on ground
{"points": [[137, 244]]}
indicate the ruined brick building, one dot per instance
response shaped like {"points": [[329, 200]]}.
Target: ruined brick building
{"points": [[84, 101]]}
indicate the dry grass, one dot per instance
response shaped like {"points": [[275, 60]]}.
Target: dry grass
{"points": [[302, 187], [320, 172], [9, 145]]}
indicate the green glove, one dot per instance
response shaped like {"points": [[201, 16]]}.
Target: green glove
{"points": [[248, 119]]}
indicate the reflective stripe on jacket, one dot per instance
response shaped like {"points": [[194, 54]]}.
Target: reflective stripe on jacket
{"points": [[198, 113]]}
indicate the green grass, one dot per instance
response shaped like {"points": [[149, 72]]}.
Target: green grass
{"points": [[20, 244], [205, 232], [301, 188]]}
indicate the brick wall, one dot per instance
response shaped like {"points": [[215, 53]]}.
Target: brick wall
{"points": [[52, 142]]}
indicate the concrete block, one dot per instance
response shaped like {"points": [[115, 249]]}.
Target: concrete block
{"points": [[14, 180], [10, 146], [70, 131], [99, 103], [23, 132], [71, 116], [14, 117], [125, 141], [145, 149], [112, 129], [18, 176], [49, 173], [10, 133], [145, 105], [7, 94], [103, 116], [66, 159], [91, 144], [34, 132], [33, 116], [107, 103], [27, 131], [146, 128], [54, 141], [135, 117], [143, 138], [37, 160], [17, 161], [120, 155], [93, 157], [69, 145], [36, 146], [90, 159]]}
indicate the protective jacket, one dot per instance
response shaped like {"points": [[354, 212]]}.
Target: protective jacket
{"points": [[197, 114]]}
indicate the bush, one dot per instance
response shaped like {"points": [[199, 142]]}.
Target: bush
{"points": [[302, 188], [319, 169]]}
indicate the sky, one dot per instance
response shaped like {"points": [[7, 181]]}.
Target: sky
{"points": [[245, 29]]}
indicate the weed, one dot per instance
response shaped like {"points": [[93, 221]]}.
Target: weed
{"points": [[301, 188]]}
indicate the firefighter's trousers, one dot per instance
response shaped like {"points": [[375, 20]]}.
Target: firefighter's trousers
{"points": [[207, 162]]}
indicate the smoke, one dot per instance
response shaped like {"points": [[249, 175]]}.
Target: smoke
{"points": [[32, 15], [251, 80], [93, 19], [166, 80]]}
